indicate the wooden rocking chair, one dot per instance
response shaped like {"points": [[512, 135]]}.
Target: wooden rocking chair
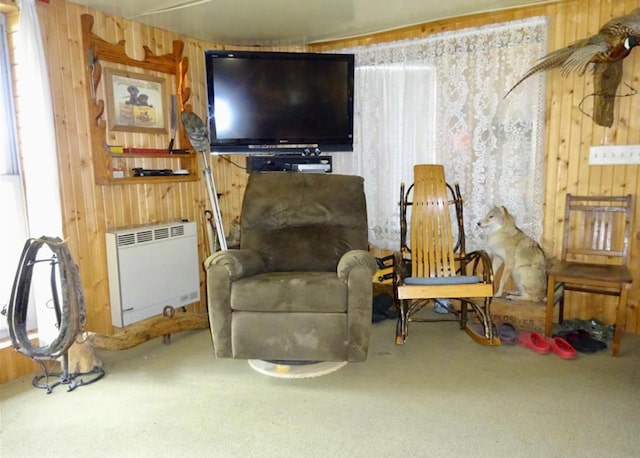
{"points": [[432, 267]]}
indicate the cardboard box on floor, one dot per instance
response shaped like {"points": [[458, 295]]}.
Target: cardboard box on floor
{"points": [[524, 315]]}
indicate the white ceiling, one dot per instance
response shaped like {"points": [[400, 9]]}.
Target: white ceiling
{"points": [[291, 22]]}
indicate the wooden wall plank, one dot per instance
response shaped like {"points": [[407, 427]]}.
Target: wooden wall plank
{"points": [[14, 364], [553, 155]]}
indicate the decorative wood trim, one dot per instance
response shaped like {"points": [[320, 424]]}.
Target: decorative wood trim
{"points": [[103, 50], [96, 50], [150, 328]]}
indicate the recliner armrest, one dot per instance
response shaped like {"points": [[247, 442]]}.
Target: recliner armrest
{"points": [[354, 258], [239, 263]]}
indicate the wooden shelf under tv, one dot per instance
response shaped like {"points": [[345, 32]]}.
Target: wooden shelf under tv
{"points": [[160, 179], [127, 161]]}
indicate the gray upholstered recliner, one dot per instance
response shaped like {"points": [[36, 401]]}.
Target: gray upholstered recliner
{"points": [[299, 287]]}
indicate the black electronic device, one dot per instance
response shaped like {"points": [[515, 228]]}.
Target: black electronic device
{"points": [[279, 102], [289, 163], [141, 172]]}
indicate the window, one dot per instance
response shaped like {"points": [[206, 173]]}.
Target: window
{"points": [[13, 230]]}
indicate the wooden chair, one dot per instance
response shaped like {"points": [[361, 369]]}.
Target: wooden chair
{"points": [[433, 266], [595, 249]]}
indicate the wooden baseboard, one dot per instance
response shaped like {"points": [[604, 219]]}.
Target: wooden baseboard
{"points": [[14, 364]]}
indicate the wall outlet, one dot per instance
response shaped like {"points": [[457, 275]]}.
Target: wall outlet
{"points": [[614, 155]]}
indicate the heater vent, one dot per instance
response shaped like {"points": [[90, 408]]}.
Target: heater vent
{"points": [[150, 268], [126, 239], [162, 233], [144, 236]]}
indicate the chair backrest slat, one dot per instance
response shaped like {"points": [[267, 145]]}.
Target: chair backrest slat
{"points": [[432, 244], [597, 228]]}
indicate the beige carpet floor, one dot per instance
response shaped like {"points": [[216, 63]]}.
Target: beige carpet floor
{"points": [[439, 395]]}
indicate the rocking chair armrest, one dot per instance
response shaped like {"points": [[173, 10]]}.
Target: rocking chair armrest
{"points": [[239, 263], [400, 270], [479, 263]]}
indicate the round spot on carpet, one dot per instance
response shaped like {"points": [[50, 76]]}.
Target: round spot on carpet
{"points": [[284, 370]]}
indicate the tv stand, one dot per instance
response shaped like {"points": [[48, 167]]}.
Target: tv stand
{"points": [[289, 163]]}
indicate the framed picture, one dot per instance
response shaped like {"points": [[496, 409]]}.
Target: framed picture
{"points": [[135, 102]]}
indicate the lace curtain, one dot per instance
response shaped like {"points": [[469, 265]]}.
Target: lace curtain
{"points": [[441, 100]]}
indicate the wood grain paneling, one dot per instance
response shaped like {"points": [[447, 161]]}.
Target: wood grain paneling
{"points": [[90, 209], [14, 364]]}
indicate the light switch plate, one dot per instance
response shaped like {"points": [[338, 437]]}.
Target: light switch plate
{"points": [[614, 155]]}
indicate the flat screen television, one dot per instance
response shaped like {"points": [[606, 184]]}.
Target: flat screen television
{"points": [[279, 102]]}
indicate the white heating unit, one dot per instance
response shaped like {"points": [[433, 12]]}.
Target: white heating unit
{"points": [[151, 267]]}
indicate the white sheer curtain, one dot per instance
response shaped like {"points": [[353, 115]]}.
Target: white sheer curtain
{"points": [[13, 230], [39, 154], [440, 100], [394, 105]]}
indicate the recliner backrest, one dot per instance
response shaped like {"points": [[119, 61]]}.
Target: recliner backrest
{"points": [[303, 221]]}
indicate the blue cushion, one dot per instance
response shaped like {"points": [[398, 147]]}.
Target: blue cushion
{"points": [[461, 280]]}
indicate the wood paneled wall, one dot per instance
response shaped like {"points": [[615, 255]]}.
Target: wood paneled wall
{"points": [[90, 209]]}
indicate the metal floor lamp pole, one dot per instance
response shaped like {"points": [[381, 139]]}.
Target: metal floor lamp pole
{"points": [[199, 139], [213, 197]]}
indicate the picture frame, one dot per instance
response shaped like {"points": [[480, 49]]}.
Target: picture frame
{"points": [[135, 102]]}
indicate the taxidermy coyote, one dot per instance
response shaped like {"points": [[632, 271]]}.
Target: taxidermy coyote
{"points": [[522, 257]]}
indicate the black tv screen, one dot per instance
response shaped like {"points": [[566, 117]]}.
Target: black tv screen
{"points": [[279, 102]]}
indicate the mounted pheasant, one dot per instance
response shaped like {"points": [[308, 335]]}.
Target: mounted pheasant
{"points": [[605, 50]]}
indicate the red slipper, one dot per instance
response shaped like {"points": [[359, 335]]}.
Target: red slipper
{"points": [[534, 341], [561, 347]]}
